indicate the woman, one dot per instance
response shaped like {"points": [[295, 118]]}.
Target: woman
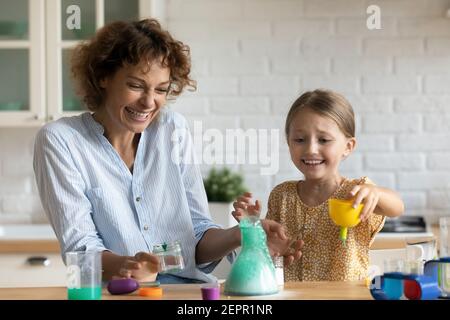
{"points": [[108, 181]]}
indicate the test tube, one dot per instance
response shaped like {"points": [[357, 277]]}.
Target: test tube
{"points": [[278, 262]]}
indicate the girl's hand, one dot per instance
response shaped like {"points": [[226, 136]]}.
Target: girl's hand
{"points": [[142, 267], [279, 244], [367, 194], [243, 204]]}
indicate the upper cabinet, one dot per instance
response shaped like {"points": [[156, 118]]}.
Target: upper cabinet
{"points": [[22, 62], [36, 39]]}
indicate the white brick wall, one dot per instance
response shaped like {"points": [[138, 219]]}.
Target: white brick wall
{"points": [[391, 123], [390, 84], [437, 84], [397, 78], [252, 58], [393, 46], [19, 201], [438, 46]]}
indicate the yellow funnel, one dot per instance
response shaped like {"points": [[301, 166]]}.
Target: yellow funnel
{"points": [[344, 215]]}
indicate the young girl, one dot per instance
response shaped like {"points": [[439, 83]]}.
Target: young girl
{"points": [[320, 132]]}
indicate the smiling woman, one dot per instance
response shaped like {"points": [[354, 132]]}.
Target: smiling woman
{"points": [[140, 45], [106, 179], [134, 97]]}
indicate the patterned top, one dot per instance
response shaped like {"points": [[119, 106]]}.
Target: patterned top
{"points": [[324, 258]]}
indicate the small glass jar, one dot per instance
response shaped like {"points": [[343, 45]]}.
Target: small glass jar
{"points": [[278, 262], [170, 256]]}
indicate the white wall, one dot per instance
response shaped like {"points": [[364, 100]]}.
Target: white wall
{"points": [[252, 58]]}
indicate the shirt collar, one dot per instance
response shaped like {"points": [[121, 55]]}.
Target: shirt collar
{"points": [[96, 127], [92, 124]]}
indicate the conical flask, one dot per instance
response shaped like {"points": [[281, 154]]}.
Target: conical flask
{"points": [[253, 272]]}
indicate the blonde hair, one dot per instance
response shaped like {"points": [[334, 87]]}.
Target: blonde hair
{"points": [[326, 103]]}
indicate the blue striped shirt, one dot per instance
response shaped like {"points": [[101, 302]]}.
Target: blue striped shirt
{"points": [[94, 202]]}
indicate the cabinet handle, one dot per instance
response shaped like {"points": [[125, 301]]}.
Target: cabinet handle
{"points": [[38, 261]]}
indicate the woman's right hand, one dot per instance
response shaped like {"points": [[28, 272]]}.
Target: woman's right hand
{"points": [[244, 204], [142, 267]]}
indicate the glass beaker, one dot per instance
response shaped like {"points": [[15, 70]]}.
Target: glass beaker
{"points": [[170, 256], [444, 278], [444, 237], [414, 267], [411, 288], [84, 275], [278, 263], [444, 252], [393, 287]]}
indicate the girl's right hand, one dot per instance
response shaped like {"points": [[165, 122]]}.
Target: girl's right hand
{"points": [[142, 267], [244, 204]]}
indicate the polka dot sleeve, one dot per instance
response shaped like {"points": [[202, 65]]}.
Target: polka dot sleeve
{"points": [[273, 206], [376, 221]]}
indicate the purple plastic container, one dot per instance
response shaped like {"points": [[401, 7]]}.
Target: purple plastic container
{"points": [[122, 286], [210, 293]]}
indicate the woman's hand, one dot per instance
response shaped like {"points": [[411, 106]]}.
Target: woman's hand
{"points": [[142, 267], [369, 195], [279, 244], [243, 205]]}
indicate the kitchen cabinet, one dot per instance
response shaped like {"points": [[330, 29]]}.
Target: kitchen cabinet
{"points": [[30, 257], [33, 269], [36, 37], [22, 61]]}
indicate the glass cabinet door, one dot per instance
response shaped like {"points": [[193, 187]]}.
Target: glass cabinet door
{"points": [[22, 62], [14, 61], [121, 10], [14, 20], [36, 41], [14, 80], [71, 102], [86, 18], [113, 10], [93, 14]]}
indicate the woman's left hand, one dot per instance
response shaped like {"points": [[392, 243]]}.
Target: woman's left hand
{"points": [[142, 267], [367, 194], [279, 244]]}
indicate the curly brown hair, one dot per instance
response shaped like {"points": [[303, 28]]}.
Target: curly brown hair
{"points": [[120, 43]]}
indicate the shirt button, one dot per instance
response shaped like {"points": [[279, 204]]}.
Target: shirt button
{"points": [[138, 199], [146, 227]]}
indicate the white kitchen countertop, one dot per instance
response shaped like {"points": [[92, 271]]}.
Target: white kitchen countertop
{"points": [[392, 235], [27, 232]]}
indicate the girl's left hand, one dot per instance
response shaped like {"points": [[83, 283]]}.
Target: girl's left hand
{"points": [[367, 194]]}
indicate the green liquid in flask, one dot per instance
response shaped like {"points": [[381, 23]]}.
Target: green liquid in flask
{"points": [[253, 273]]}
